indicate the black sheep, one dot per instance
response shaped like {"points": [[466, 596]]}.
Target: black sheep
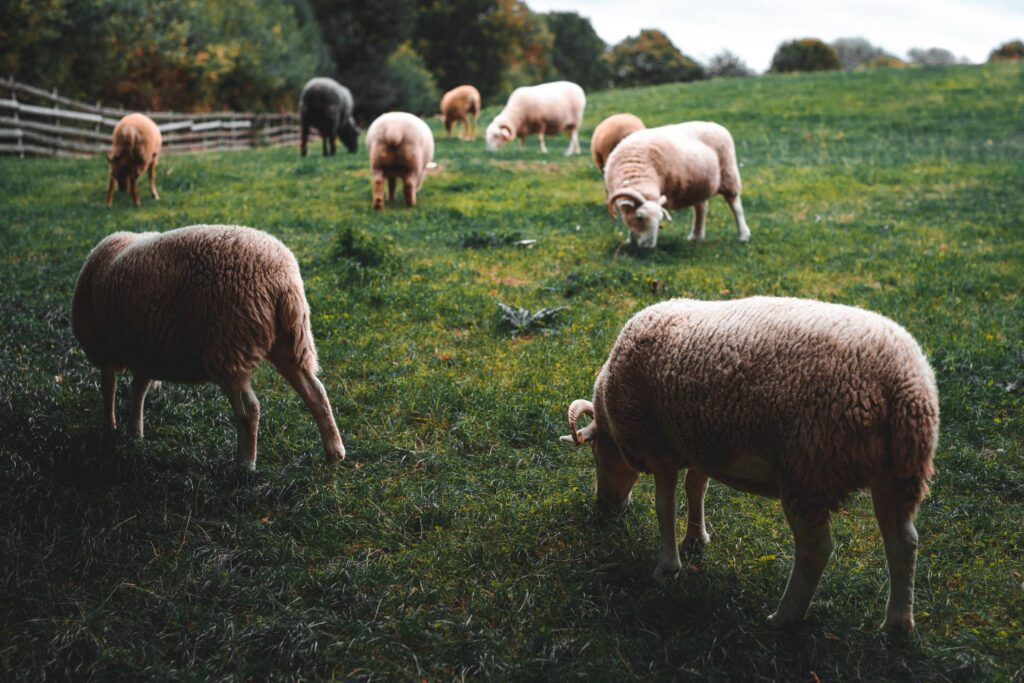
{"points": [[327, 106]]}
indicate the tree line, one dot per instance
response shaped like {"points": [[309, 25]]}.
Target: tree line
{"points": [[255, 55]]}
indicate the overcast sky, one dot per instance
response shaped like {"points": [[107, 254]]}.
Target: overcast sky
{"points": [[753, 28]]}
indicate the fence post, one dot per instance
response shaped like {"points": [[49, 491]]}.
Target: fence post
{"points": [[17, 120]]}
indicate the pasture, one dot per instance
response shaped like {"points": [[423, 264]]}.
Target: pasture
{"points": [[459, 538]]}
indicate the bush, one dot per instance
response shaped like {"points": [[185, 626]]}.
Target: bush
{"points": [[727, 65], [932, 56], [856, 52], [807, 54], [884, 62], [1012, 51], [650, 58], [415, 86], [578, 52]]}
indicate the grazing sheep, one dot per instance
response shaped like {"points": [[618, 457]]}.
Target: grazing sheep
{"points": [[327, 106], [786, 398], [401, 146], [546, 109], [135, 149], [204, 303], [673, 166], [609, 133], [461, 104]]}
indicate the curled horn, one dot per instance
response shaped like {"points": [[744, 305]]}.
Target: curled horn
{"points": [[624, 192], [576, 408]]}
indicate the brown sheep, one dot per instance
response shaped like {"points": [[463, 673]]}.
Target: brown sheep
{"points": [[787, 398], [610, 133], [461, 104], [401, 146], [135, 149]]}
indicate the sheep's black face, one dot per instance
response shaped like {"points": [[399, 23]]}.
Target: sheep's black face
{"points": [[615, 478], [349, 135]]}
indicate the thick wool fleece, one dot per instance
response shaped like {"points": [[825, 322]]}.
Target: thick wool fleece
{"points": [[400, 145], [546, 109], [460, 104], [196, 304], [609, 133], [816, 399]]}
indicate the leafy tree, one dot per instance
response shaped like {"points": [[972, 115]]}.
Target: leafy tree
{"points": [[854, 52], [727, 65], [650, 58], [417, 91], [932, 56], [1012, 51], [528, 60], [578, 52], [807, 54]]}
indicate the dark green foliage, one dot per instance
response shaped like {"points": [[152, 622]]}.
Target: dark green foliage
{"points": [[460, 539], [1010, 51], [578, 52], [650, 58], [806, 54], [415, 85], [725, 64]]}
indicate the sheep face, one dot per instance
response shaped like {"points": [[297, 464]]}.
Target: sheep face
{"points": [[643, 218], [498, 134], [615, 478], [349, 134]]}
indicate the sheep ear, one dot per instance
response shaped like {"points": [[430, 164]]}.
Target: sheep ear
{"points": [[506, 133]]}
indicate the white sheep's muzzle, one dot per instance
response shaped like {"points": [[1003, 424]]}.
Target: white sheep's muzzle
{"points": [[646, 221]]}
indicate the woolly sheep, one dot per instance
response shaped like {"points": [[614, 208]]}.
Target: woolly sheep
{"points": [[204, 303], [609, 133], [327, 106], [546, 109], [461, 104], [401, 146], [135, 149], [786, 398], [673, 166]]}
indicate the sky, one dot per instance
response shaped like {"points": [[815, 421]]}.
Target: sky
{"points": [[753, 29]]}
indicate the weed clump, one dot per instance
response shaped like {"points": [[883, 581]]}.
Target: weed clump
{"points": [[488, 240], [521, 321], [362, 249]]}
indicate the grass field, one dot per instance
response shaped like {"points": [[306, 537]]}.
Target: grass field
{"points": [[460, 538]]}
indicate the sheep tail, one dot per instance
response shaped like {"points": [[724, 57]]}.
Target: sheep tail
{"points": [[392, 138], [293, 325], [913, 437]]}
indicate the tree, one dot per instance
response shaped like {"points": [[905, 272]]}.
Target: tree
{"points": [[807, 54], [578, 52], [725, 64], [855, 52], [932, 56], [651, 58], [415, 86], [528, 60], [1012, 51]]}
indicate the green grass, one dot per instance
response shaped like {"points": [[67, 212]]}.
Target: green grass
{"points": [[460, 538]]}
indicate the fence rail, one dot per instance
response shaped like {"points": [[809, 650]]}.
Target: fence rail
{"points": [[36, 122]]}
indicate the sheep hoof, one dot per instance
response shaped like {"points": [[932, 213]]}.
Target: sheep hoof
{"points": [[247, 465], [898, 623], [664, 571], [696, 540], [336, 455], [694, 237], [780, 620], [743, 238]]}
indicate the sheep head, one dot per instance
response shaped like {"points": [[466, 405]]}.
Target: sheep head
{"points": [[642, 216], [615, 478], [498, 133], [349, 134]]}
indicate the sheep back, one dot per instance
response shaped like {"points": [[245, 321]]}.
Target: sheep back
{"points": [[459, 102], [400, 144], [547, 108], [609, 133], [829, 398], [201, 303], [325, 104], [136, 140], [665, 161]]}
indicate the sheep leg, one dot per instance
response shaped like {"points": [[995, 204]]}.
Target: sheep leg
{"points": [[574, 143], [543, 147], [378, 189], [246, 409], [110, 189], [135, 189], [699, 212], [108, 390], [409, 187], [813, 545], [742, 230], [665, 481], [448, 126], [313, 394], [696, 485], [323, 141], [305, 138], [152, 178], [140, 387], [392, 181], [896, 522]]}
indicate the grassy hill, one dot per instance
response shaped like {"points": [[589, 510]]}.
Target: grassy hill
{"points": [[460, 538]]}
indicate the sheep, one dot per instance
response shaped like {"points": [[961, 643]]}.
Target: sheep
{"points": [[327, 106], [546, 109], [203, 303], [461, 104], [609, 133], [673, 166], [135, 149], [787, 398], [401, 146]]}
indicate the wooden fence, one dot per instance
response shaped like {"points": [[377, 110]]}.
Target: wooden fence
{"points": [[35, 122]]}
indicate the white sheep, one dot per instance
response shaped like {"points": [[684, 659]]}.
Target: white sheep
{"points": [[545, 109], [134, 150], [675, 166], [204, 303], [609, 133], [786, 398], [401, 146]]}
